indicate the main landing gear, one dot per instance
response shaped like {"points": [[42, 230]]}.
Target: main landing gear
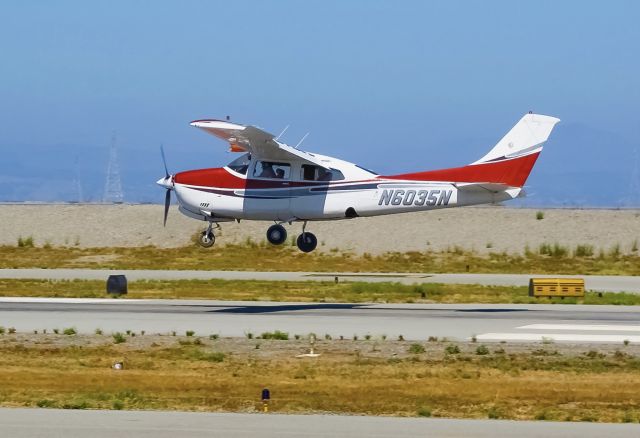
{"points": [[307, 242], [277, 235]]}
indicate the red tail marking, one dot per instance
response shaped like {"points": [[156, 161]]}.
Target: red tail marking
{"points": [[512, 172]]}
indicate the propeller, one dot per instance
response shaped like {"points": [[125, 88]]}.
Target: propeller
{"points": [[166, 182], [164, 161], [167, 202]]}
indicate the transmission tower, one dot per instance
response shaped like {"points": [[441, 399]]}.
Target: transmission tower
{"points": [[77, 182], [113, 186]]}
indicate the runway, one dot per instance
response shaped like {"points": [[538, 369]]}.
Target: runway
{"points": [[487, 322], [598, 283], [33, 423]]}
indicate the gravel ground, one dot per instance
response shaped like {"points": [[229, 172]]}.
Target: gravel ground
{"points": [[483, 229], [375, 347]]}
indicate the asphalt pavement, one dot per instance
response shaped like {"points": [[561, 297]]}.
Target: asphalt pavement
{"points": [[487, 322], [53, 423]]}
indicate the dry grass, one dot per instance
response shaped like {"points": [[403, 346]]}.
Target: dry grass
{"points": [[302, 291], [359, 377], [264, 257]]}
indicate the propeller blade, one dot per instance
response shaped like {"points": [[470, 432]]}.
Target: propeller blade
{"points": [[164, 161], [167, 202]]}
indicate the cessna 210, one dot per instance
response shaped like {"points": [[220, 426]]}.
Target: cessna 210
{"points": [[272, 181]]}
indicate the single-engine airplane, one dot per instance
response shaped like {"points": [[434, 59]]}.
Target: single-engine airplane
{"points": [[273, 181]]}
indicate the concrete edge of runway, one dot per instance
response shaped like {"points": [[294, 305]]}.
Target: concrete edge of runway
{"points": [[596, 283]]}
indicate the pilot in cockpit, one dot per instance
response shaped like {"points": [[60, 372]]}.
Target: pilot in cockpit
{"points": [[267, 171]]}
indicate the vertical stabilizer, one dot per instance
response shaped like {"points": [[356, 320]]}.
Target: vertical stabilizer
{"points": [[526, 137]]}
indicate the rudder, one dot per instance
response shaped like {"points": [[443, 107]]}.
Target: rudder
{"points": [[526, 137]]}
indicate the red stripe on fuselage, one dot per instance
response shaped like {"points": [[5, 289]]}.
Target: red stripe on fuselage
{"points": [[222, 178], [513, 172], [218, 177]]}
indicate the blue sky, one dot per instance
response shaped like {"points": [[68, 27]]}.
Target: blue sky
{"points": [[394, 86]]}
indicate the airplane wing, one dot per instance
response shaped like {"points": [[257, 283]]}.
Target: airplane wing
{"points": [[259, 143]]}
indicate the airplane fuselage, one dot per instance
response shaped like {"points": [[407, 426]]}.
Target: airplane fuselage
{"points": [[275, 182], [223, 194]]}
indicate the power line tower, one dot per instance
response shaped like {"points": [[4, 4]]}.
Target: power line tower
{"points": [[113, 186], [77, 181]]}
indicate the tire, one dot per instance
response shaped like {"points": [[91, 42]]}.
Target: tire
{"points": [[276, 234], [207, 240], [307, 242]]}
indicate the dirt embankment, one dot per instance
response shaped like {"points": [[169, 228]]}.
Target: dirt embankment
{"points": [[482, 229]]}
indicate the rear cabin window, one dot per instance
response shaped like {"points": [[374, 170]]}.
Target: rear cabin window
{"points": [[317, 173], [270, 169]]}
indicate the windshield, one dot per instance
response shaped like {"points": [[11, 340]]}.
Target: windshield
{"points": [[240, 164]]}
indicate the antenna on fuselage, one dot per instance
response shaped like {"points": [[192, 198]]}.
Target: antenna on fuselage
{"points": [[283, 131], [301, 140]]}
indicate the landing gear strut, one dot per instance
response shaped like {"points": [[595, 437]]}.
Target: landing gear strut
{"points": [[306, 242], [276, 234], [207, 238]]}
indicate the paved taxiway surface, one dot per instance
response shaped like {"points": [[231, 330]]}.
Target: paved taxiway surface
{"points": [[32, 423], [600, 283], [488, 322]]}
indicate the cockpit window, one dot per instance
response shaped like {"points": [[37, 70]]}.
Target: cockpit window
{"points": [[310, 172], [270, 169], [240, 164]]}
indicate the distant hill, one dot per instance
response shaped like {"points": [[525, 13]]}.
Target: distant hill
{"points": [[581, 166]]}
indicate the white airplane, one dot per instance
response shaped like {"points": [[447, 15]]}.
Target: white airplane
{"points": [[272, 181]]}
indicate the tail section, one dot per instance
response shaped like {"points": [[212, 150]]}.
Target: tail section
{"points": [[509, 163], [526, 137]]}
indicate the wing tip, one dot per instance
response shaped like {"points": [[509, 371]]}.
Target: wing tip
{"points": [[215, 123]]}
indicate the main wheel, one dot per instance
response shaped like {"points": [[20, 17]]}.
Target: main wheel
{"points": [[276, 234], [207, 239], [307, 242]]}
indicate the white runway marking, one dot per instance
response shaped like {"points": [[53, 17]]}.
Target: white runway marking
{"points": [[561, 337], [583, 327]]}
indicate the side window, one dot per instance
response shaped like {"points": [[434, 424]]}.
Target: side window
{"points": [[270, 169], [316, 173], [309, 172]]}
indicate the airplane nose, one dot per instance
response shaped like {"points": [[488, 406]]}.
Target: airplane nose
{"points": [[166, 182]]}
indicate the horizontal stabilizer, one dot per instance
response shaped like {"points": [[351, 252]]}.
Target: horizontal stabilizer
{"points": [[489, 187]]}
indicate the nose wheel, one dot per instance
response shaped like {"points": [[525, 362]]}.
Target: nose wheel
{"points": [[207, 238], [276, 234]]}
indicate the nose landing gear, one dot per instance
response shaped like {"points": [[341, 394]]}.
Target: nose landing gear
{"points": [[207, 238]]}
